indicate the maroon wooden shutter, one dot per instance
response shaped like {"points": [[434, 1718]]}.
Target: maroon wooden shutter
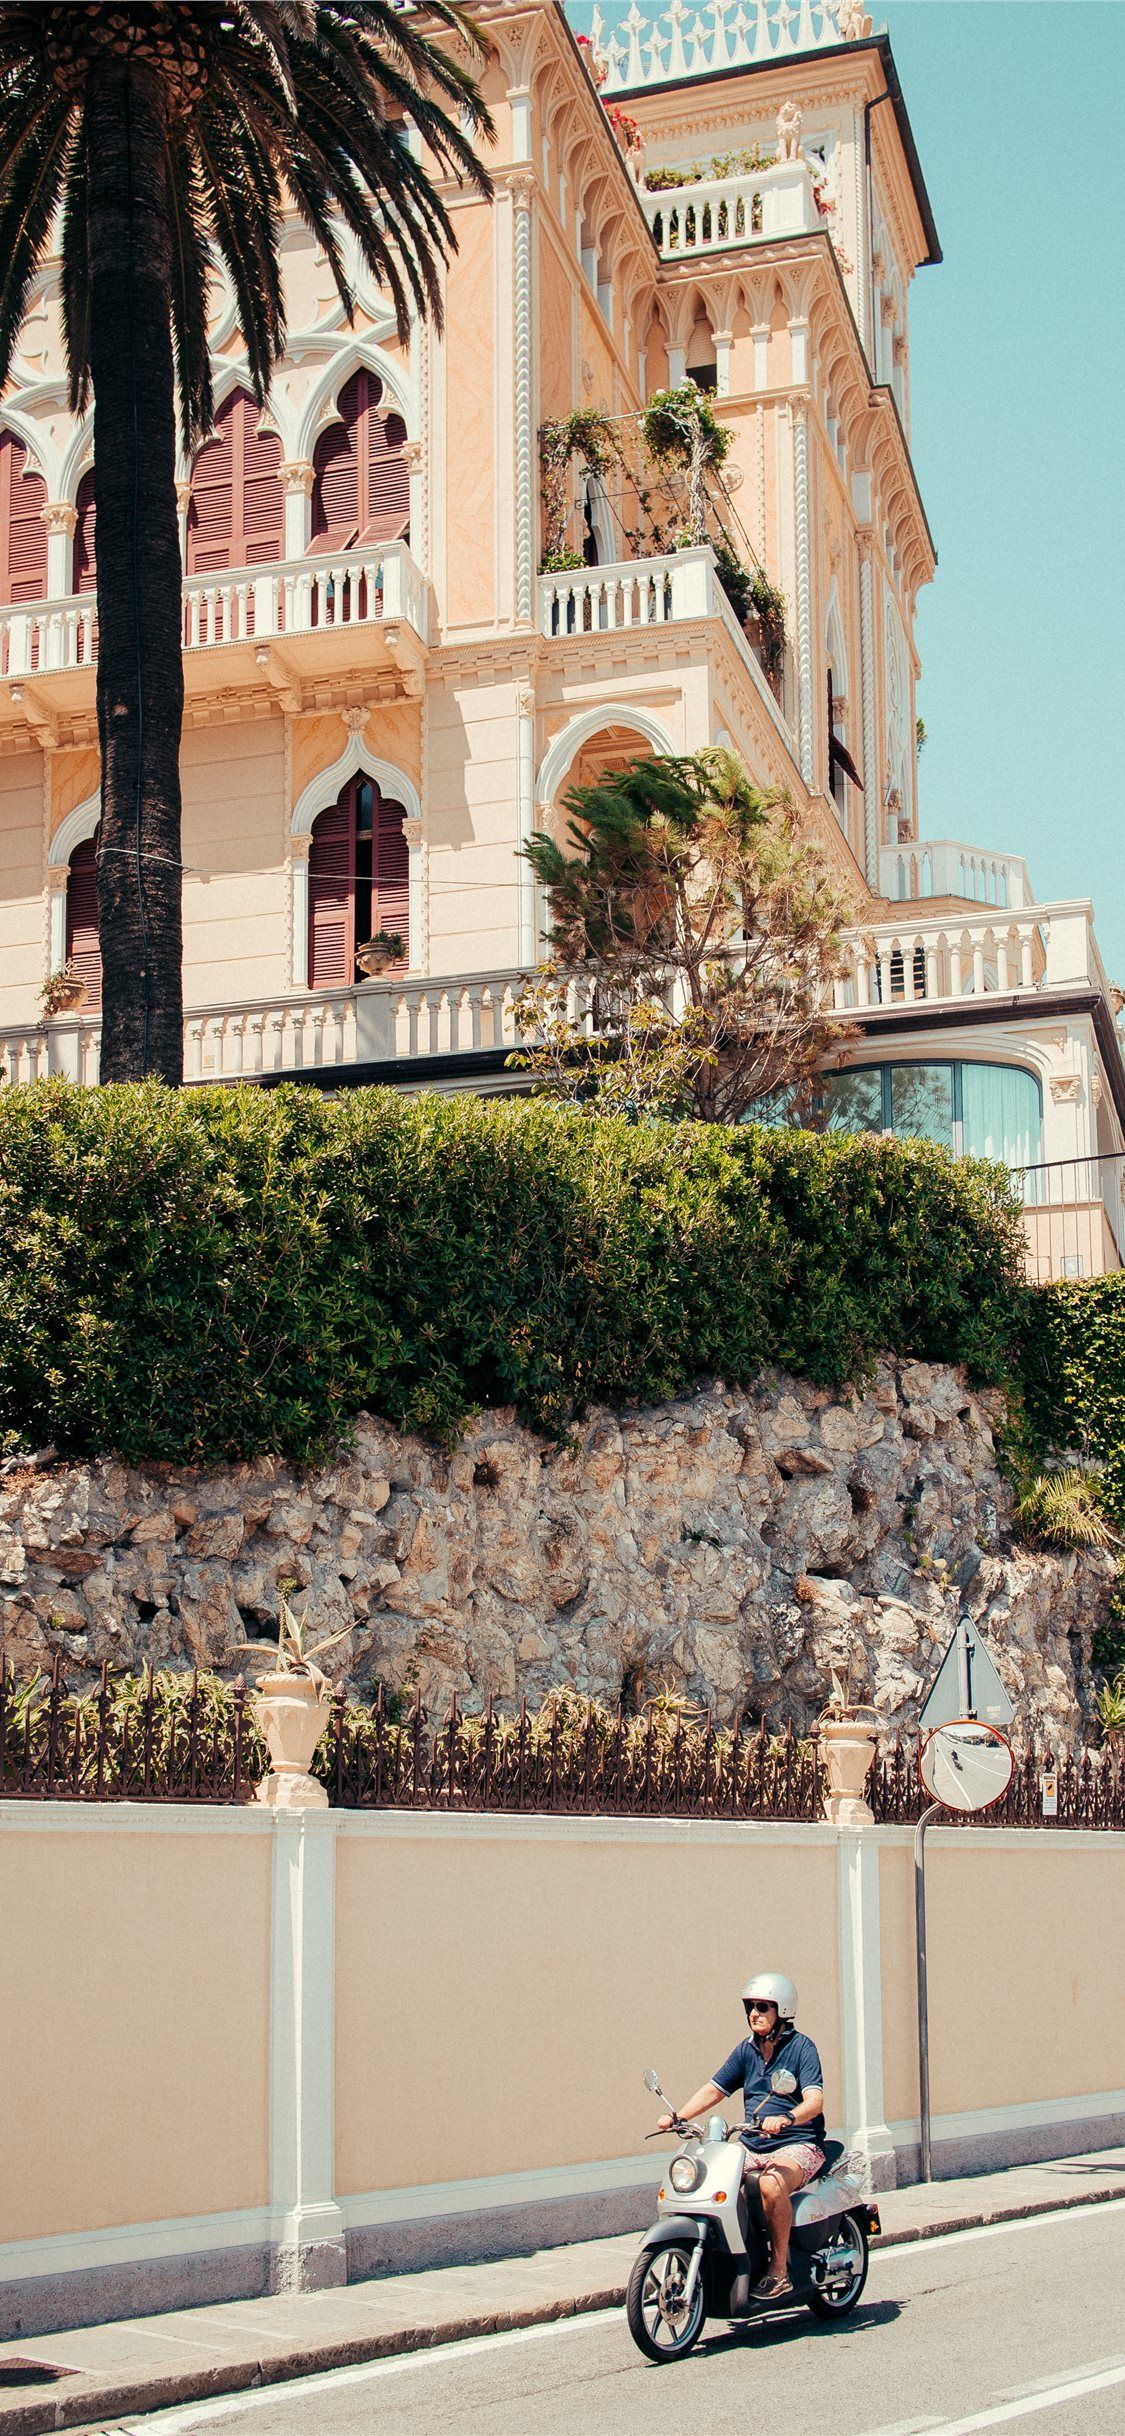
{"points": [[263, 508], [390, 894], [82, 949], [361, 490], [85, 549], [23, 534], [388, 480], [332, 896], [236, 513], [336, 462]]}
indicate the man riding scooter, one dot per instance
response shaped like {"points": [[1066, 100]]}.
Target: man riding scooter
{"points": [[779, 2071]]}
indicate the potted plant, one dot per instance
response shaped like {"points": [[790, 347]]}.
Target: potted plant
{"points": [[384, 948], [292, 1708], [65, 993], [846, 1733]]}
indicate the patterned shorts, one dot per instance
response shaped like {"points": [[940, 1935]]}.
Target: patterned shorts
{"points": [[795, 2152]]}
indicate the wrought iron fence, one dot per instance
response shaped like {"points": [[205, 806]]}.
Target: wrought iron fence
{"points": [[189, 1738]]}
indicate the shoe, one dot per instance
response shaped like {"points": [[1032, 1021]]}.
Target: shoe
{"points": [[770, 2288]]}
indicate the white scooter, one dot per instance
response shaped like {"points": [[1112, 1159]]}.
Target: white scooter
{"points": [[710, 2242]]}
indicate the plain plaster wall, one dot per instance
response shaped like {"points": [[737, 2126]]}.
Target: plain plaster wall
{"points": [[134, 2019], [501, 1985]]}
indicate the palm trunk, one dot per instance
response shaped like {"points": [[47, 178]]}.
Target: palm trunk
{"points": [[140, 666]]}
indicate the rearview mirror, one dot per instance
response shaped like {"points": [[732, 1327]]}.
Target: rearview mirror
{"points": [[652, 2083]]}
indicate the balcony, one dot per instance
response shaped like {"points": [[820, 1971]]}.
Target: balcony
{"points": [[709, 215], [319, 1033], [942, 867], [295, 618], [944, 957], [638, 594]]}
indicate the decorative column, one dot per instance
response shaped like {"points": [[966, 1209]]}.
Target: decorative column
{"points": [[57, 878], [525, 802], [412, 832], [60, 519], [723, 342], [309, 2243], [677, 367], [521, 186], [299, 850], [867, 688], [804, 589], [413, 457], [183, 503], [296, 479]]}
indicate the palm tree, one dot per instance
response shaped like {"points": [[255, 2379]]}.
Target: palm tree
{"points": [[143, 139]]}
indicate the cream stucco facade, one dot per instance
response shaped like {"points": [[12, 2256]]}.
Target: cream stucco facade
{"points": [[428, 655]]}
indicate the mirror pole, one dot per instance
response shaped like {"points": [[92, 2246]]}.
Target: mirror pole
{"points": [[923, 1992]]}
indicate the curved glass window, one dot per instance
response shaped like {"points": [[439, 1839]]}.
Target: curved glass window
{"points": [[985, 1112]]}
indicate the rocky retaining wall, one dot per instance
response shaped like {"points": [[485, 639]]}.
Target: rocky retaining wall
{"points": [[736, 1545]]}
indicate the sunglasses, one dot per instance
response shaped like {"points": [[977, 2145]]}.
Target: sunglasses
{"points": [[760, 2004]]}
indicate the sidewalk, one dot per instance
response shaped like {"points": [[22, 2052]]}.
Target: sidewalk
{"points": [[147, 2364]]}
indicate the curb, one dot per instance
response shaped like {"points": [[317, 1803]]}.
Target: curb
{"points": [[46, 2414]]}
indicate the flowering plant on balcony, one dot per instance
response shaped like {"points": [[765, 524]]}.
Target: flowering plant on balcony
{"points": [[679, 429], [745, 164], [384, 948], [65, 993], [625, 128]]}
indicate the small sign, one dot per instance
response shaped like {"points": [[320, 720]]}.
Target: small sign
{"points": [[1049, 1793], [966, 1685], [966, 1765]]}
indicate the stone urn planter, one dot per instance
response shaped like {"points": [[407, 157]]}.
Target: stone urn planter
{"points": [[292, 1706], [65, 993], [291, 1712], [846, 1743]]}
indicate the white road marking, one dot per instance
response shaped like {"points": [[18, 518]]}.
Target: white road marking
{"points": [[1045, 2398], [182, 2421], [1054, 2217], [204, 2414]]}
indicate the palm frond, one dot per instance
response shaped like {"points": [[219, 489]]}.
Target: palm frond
{"points": [[187, 215], [33, 177], [74, 248]]}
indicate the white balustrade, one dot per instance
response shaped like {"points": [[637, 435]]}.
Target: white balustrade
{"points": [[710, 214], [898, 964], [295, 596], [684, 42], [942, 867]]}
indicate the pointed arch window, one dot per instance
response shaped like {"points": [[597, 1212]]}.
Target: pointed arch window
{"points": [[359, 882], [85, 550], [361, 482], [83, 951], [23, 534], [236, 517]]}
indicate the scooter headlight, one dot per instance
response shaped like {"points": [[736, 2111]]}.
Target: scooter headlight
{"points": [[684, 2173]]}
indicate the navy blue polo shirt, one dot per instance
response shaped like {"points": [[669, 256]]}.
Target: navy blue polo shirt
{"points": [[746, 2069]]}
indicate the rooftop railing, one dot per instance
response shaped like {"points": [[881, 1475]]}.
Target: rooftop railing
{"points": [[941, 867]]}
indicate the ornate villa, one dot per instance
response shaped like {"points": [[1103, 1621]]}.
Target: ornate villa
{"points": [[420, 602]]}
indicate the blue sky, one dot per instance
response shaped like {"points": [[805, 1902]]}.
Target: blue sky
{"points": [[1018, 365]]}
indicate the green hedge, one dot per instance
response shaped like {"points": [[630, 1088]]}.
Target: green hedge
{"points": [[212, 1274], [1074, 1367]]}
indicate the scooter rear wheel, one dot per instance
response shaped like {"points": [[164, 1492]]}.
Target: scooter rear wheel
{"points": [[845, 2287], [659, 2323]]}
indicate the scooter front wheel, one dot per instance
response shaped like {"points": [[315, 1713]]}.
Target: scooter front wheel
{"points": [[844, 2270], [662, 2322]]}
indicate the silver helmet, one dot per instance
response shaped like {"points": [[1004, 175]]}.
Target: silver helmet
{"points": [[773, 1989]]}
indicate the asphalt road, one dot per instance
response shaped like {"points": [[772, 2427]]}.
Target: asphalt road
{"points": [[1006, 2326]]}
